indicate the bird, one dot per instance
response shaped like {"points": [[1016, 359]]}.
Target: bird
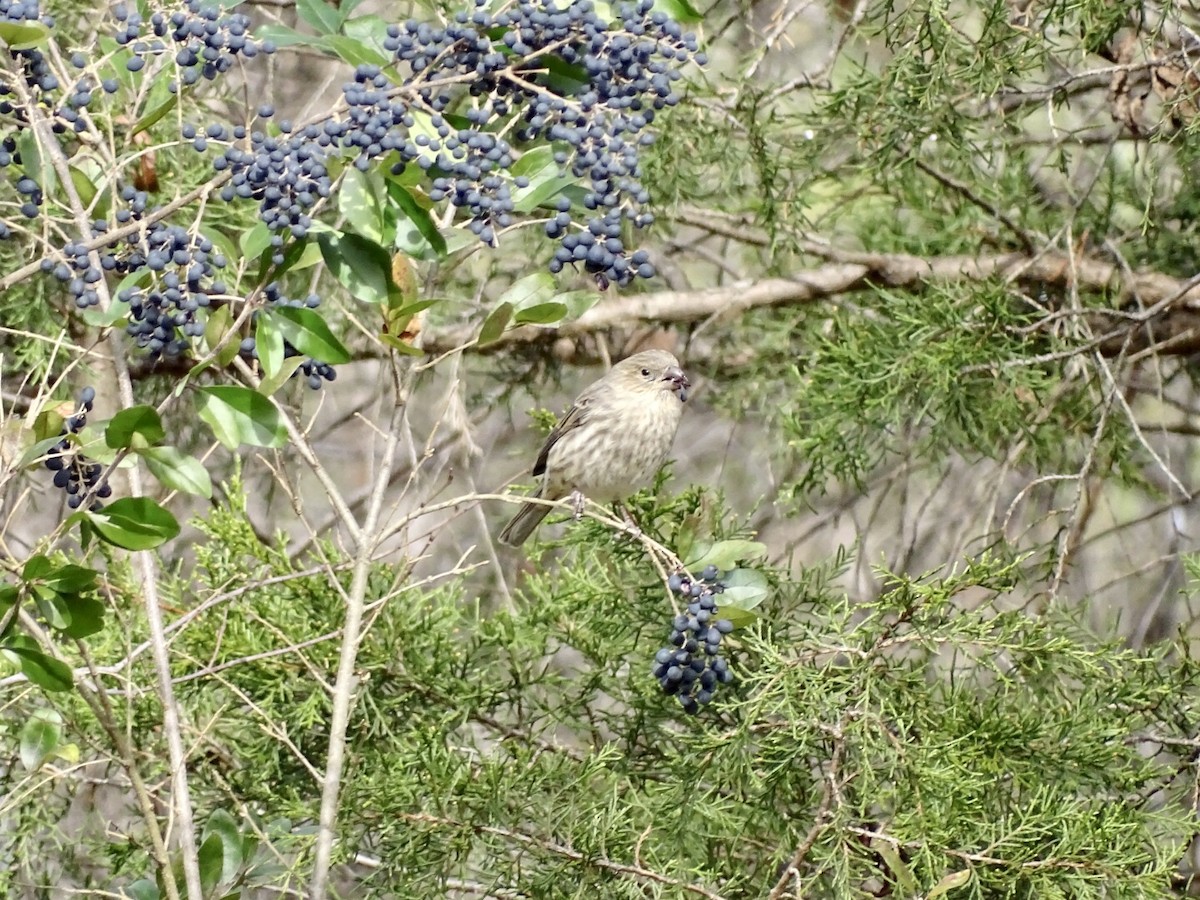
{"points": [[612, 440]]}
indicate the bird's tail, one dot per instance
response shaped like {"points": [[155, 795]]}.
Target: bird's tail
{"points": [[528, 517]]}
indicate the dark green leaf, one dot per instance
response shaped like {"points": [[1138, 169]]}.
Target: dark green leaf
{"points": [[37, 566], [222, 823], [211, 858], [154, 115], [494, 325], [540, 314], [69, 579], [87, 616], [44, 671], [238, 415], [679, 10], [178, 471], [418, 218], [139, 420], [134, 523], [307, 331], [361, 265], [268, 341]]}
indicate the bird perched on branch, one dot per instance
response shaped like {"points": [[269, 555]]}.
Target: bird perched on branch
{"points": [[611, 442]]}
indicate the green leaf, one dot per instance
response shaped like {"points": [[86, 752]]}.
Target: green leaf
{"points": [[40, 737], [178, 471], [268, 341], [282, 36], [44, 671], [211, 860], [8, 596], [419, 219], [154, 115], [540, 314], [744, 589], [293, 252], [370, 31], [52, 608], [323, 18], [84, 187], [308, 333], [353, 51], [899, 868], [680, 10], [577, 302], [217, 325], [358, 202], [23, 35], [254, 243], [87, 616], [727, 554], [69, 579], [400, 346], [143, 889], [494, 325], [138, 420], [134, 523], [950, 882], [222, 823], [546, 179], [739, 617], [270, 385], [238, 415], [531, 290], [362, 266], [37, 451], [37, 566]]}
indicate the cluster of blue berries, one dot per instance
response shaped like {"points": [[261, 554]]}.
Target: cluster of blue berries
{"points": [[43, 86], [692, 667], [73, 472], [207, 41], [514, 61], [506, 60]]}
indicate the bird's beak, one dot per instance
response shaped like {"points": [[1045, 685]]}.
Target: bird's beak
{"points": [[678, 381]]}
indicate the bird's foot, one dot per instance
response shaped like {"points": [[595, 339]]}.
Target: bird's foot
{"points": [[577, 502], [631, 526]]}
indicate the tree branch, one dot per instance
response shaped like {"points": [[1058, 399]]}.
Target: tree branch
{"points": [[1176, 330]]}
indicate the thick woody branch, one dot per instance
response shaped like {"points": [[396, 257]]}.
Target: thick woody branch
{"points": [[1176, 327]]}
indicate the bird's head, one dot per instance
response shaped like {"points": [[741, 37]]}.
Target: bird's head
{"points": [[652, 371]]}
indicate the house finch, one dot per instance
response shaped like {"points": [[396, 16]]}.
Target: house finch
{"points": [[612, 440]]}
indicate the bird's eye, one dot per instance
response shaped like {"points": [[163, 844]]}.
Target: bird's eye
{"points": [[645, 373]]}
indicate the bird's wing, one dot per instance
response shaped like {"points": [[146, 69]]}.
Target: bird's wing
{"points": [[576, 416]]}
